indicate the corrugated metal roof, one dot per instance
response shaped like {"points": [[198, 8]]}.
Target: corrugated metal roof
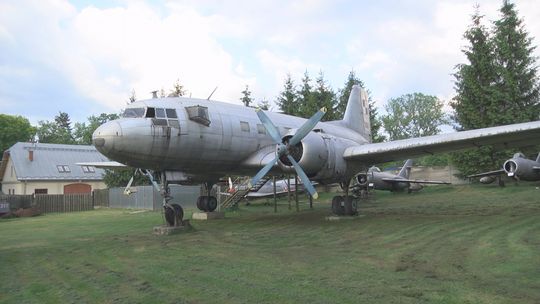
{"points": [[47, 157]]}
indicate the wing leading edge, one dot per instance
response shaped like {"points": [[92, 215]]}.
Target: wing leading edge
{"points": [[509, 136], [414, 181]]}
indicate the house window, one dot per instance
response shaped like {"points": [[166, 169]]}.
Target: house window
{"points": [[41, 191], [261, 129], [198, 114], [244, 126], [88, 169], [63, 168]]}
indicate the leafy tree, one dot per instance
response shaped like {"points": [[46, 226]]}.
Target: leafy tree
{"points": [[288, 99], [246, 96], [120, 178], [56, 132], [83, 132], [14, 129], [345, 92], [413, 115], [177, 90]]}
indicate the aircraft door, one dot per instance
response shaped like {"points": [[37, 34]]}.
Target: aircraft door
{"points": [[227, 132]]}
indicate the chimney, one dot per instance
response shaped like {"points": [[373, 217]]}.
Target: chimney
{"points": [[31, 155]]}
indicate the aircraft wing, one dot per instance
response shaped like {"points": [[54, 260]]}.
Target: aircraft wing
{"points": [[509, 136], [490, 173], [105, 165], [414, 181]]}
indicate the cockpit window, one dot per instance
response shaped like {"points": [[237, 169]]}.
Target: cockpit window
{"points": [[198, 114], [133, 112], [150, 112], [160, 113], [171, 113]]}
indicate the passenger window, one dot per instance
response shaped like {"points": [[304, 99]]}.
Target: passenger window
{"points": [[171, 113], [198, 114], [150, 113], [261, 129], [244, 126], [160, 113]]}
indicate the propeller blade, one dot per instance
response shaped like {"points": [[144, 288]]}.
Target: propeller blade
{"points": [[307, 127], [262, 173], [269, 125], [305, 180]]}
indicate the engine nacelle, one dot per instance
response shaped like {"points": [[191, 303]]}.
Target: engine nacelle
{"points": [[521, 168], [311, 154], [362, 179], [320, 155]]}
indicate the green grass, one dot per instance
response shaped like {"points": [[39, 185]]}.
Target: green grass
{"points": [[463, 244]]}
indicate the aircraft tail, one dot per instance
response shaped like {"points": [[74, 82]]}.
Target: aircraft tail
{"points": [[406, 169], [357, 112]]}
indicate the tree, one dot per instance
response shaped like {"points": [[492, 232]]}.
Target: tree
{"points": [[517, 86], [83, 132], [288, 99], [132, 97], [322, 97], [374, 118], [14, 129], [177, 90], [264, 105], [246, 96], [413, 115], [304, 98], [120, 178], [56, 132]]}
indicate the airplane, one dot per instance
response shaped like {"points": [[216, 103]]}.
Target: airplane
{"points": [[518, 167], [267, 190], [198, 141], [378, 180]]}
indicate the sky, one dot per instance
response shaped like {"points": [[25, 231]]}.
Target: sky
{"points": [[85, 57]]}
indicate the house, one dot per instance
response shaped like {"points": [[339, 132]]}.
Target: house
{"points": [[29, 168]]}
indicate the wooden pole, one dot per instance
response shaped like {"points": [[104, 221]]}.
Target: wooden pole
{"points": [[296, 192], [275, 195], [310, 201], [289, 190]]}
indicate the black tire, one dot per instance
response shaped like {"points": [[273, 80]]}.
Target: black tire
{"points": [[350, 206], [173, 211], [212, 204], [337, 205], [201, 202]]}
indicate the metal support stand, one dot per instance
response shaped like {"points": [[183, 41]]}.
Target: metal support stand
{"points": [[296, 192], [275, 195]]}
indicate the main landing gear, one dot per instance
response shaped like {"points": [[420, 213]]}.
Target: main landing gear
{"points": [[207, 203], [173, 213], [344, 205]]}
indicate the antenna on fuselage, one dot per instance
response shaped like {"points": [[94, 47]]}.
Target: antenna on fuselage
{"points": [[212, 93], [154, 94]]}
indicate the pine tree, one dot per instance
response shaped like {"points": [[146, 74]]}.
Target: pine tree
{"points": [[322, 97], [287, 99], [517, 86], [177, 90], [304, 97], [246, 97], [132, 97]]}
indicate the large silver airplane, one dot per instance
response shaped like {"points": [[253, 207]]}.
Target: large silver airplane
{"points": [[376, 179], [194, 141], [518, 167]]}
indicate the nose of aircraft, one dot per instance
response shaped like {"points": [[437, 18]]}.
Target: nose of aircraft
{"points": [[104, 136]]}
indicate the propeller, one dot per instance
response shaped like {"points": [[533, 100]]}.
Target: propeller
{"points": [[283, 148]]}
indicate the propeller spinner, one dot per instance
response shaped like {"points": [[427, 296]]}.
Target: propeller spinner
{"points": [[284, 148]]}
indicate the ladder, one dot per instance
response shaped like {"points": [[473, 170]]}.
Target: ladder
{"points": [[243, 190]]}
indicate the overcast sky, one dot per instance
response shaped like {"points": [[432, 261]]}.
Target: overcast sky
{"points": [[85, 57]]}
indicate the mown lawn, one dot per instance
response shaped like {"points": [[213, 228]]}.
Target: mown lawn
{"points": [[462, 244]]}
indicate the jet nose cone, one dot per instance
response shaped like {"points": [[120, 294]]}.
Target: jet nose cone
{"points": [[104, 136]]}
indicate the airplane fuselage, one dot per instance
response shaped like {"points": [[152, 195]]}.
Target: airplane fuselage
{"points": [[204, 140]]}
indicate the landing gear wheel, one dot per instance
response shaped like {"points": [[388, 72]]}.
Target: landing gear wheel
{"points": [[174, 214], [201, 203], [337, 205], [350, 206], [211, 204]]}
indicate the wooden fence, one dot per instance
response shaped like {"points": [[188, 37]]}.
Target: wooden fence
{"points": [[48, 203]]}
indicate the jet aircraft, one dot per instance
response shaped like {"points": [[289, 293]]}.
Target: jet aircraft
{"points": [[194, 141], [379, 180], [518, 167]]}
